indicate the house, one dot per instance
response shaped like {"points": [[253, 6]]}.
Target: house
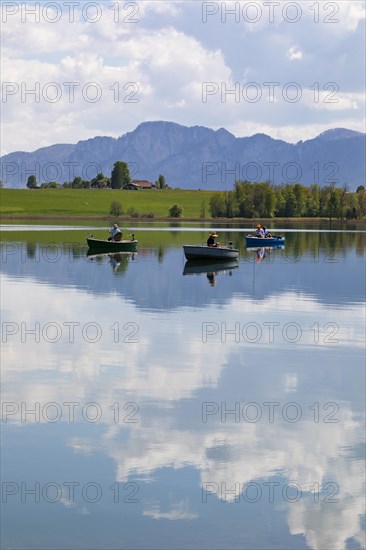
{"points": [[140, 184]]}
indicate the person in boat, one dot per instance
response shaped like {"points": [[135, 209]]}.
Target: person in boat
{"points": [[211, 241], [115, 231], [259, 231], [267, 234]]}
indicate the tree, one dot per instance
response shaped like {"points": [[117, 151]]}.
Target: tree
{"points": [[290, 203], [258, 190], [120, 176], [32, 182], [100, 181], [244, 198], [352, 206], [116, 209], [323, 200], [312, 200], [360, 188], [342, 197], [298, 191], [333, 205], [176, 211], [269, 202], [229, 204], [131, 211], [160, 182], [50, 185], [361, 199], [217, 205], [77, 182]]}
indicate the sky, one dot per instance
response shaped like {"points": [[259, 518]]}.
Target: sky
{"points": [[73, 70]]}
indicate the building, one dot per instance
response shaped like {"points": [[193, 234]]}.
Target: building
{"points": [[137, 185]]}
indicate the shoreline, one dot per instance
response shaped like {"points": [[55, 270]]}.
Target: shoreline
{"points": [[109, 219]]}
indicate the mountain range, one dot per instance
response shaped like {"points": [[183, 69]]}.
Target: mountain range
{"points": [[197, 158]]}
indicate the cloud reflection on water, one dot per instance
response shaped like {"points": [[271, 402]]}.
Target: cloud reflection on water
{"points": [[170, 365]]}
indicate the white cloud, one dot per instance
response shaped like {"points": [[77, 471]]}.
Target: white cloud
{"points": [[169, 53], [294, 54], [351, 14], [161, 7], [334, 100], [179, 511], [147, 371], [293, 133]]}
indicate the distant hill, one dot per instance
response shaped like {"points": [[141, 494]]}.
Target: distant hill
{"points": [[197, 157]]}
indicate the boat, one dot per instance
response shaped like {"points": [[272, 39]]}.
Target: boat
{"points": [[103, 245], [207, 266], [253, 241], [193, 252]]}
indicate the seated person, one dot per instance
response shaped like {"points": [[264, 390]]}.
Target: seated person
{"points": [[211, 241], [266, 232], [116, 233], [259, 231]]}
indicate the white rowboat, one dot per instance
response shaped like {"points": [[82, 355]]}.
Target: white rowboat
{"points": [[193, 252]]}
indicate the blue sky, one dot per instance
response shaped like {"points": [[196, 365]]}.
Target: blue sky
{"points": [[287, 69]]}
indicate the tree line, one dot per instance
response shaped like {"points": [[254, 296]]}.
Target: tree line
{"points": [[264, 200], [120, 178]]}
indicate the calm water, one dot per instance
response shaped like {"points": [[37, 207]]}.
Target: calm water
{"points": [[151, 404]]}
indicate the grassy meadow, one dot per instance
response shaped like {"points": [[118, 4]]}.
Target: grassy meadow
{"points": [[55, 203], [80, 205]]}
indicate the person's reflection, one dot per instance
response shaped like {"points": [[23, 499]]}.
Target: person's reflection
{"points": [[31, 250], [115, 261], [261, 254], [161, 252], [211, 278]]}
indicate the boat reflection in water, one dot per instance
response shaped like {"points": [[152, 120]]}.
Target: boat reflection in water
{"points": [[118, 261], [264, 251], [211, 268]]}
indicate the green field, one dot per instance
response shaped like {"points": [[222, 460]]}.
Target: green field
{"points": [[80, 205], [38, 203]]}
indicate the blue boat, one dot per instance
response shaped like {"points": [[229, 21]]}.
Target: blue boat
{"points": [[253, 241]]}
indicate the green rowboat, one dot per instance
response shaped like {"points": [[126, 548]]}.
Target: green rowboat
{"points": [[103, 245]]}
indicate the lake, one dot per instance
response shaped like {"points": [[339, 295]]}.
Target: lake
{"points": [[149, 403]]}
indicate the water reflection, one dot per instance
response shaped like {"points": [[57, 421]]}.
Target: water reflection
{"points": [[319, 273], [210, 268], [205, 397], [118, 261], [264, 252]]}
